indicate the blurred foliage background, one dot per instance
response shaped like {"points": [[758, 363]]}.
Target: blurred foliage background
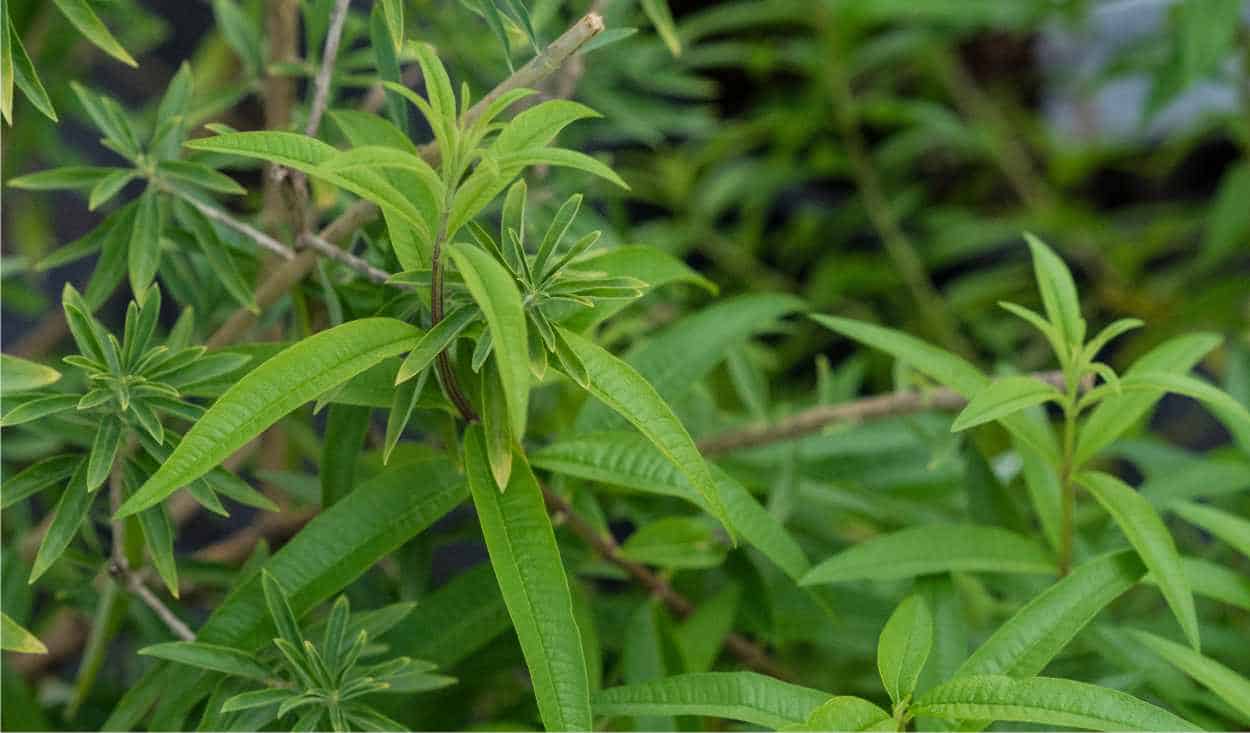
{"points": [[879, 158]]}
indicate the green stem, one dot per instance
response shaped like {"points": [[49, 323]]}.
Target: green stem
{"points": [[1066, 470]]}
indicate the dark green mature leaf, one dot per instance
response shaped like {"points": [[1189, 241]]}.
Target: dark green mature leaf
{"points": [[1039, 631], [631, 461], [437, 339], [903, 647], [38, 408], [617, 385], [527, 565], [675, 542], [496, 294], [264, 395], [681, 355], [934, 548], [745, 696], [210, 657], [144, 250], [1047, 701], [468, 612], [1231, 687], [326, 556], [1145, 530], [37, 477], [1004, 397], [82, 17], [21, 71], [68, 516]]}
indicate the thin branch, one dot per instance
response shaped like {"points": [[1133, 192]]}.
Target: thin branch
{"points": [[133, 582], [750, 653], [815, 419], [256, 235], [322, 247], [321, 87]]}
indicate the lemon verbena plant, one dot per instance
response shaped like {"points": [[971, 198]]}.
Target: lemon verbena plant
{"points": [[385, 394]]}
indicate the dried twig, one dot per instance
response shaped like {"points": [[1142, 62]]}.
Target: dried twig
{"points": [[321, 86], [256, 235]]}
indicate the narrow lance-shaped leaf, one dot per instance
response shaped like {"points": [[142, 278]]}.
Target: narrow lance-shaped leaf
{"points": [[1030, 639], [496, 294], [1223, 405], [527, 564], [1231, 687], [14, 638], [1047, 701], [20, 375], [934, 548], [145, 245], [37, 477], [67, 517], [746, 696], [617, 385], [89, 24], [434, 342], [1228, 527], [264, 395], [1003, 397], [211, 657], [24, 75], [903, 647], [1150, 537], [1063, 307], [849, 714]]}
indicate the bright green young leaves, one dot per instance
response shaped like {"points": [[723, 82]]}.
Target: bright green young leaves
{"points": [[267, 393], [20, 375], [847, 713], [1232, 688], [903, 648], [1004, 397], [527, 564]]}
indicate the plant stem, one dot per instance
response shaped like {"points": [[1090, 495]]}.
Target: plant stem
{"points": [[321, 87], [1068, 498]]}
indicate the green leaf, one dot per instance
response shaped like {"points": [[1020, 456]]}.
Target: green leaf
{"points": [[393, 11], [1115, 414], [496, 294], [903, 647], [537, 126], [209, 656], [20, 375], [1035, 634], [468, 612], [82, 17], [1228, 219], [207, 240], [936, 548], [1003, 397], [1149, 536], [1228, 409], [682, 354], [701, 635], [745, 696], [257, 698], [265, 394], [199, 175], [108, 440], [158, 534], [38, 408], [944, 368], [434, 342], [662, 18], [1228, 527], [629, 460], [561, 158], [66, 178], [346, 427], [69, 514], [14, 638], [847, 713], [145, 242], [108, 187], [328, 554], [617, 385], [527, 564], [37, 477], [675, 542], [1063, 306], [1047, 701], [1230, 686], [241, 34], [24, 75], [495, 428]]}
